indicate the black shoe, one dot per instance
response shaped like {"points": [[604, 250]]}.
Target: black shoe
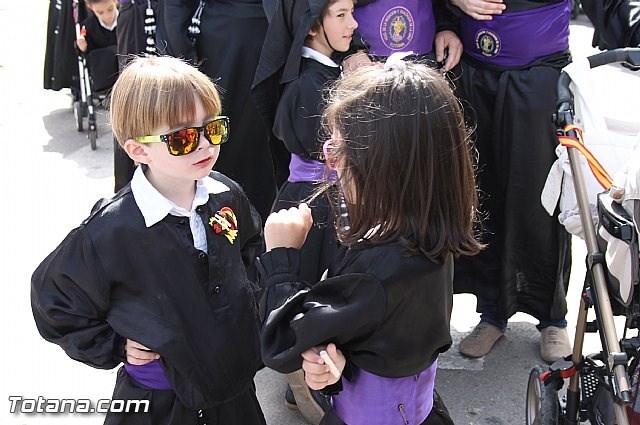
{"points": [[289, 399]]}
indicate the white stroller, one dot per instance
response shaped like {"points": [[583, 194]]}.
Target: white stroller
{"points": [[602, 386]]}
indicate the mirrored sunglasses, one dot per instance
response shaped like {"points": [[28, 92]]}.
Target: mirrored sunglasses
{"points": [[186, 140]]}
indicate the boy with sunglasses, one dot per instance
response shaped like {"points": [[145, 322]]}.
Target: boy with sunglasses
{"points": [[160, 276]]}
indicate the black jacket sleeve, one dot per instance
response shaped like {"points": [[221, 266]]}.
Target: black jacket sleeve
{"points": [[70, 299], [341, 310]]}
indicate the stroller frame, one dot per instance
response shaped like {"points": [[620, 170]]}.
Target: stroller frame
{"points": [[83, 108], [543, 404]]}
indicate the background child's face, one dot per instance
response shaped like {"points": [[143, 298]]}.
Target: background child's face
{"points": [[338, 25], [105, 10]]}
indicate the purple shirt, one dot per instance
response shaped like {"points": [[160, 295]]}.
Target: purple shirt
{"points": [[397, 26], [369, 399]]}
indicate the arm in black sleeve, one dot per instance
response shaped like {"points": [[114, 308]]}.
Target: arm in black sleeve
{"points": [[297, 121], [340, 310], [70, 299]]}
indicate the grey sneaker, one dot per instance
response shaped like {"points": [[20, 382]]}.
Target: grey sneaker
{"points": [[554, 344], [480, 341]]}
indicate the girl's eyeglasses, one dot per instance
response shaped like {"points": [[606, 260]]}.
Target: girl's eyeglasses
{"points": [[329, 152], [186, 140]]}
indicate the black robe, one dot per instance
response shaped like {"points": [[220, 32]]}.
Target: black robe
{"points": [[616, 23], [297, 124], [114, 278], [60, 60], [227, 50], [527, 262]]}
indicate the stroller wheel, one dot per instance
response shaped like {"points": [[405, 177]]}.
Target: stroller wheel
{"points": [[78, 115], [93, 136], [543, 407]]}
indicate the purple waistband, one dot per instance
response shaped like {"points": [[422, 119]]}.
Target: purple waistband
{"points": [[309, 170], [519, 38], [390, 28], [150, 375], [388, 400]]}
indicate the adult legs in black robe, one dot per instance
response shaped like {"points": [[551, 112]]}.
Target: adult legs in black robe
{"points": [[526, 264], [228, 49]]}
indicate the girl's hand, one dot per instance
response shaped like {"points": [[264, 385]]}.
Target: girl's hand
{"points": [[137, 354], [316, 373], [81, 42], [288, 228]]}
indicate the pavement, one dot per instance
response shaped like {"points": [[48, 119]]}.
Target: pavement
{"points": [[52, 178]]}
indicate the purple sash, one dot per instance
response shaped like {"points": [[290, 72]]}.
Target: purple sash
{"points": [[150, 375], [369, 398], [397, 26], [519, 38], [308, 170]]}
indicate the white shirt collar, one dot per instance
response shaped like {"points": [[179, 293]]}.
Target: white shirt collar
{"points": [[154, 206], [308, 52]]}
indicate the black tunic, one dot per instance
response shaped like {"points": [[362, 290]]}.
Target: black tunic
{"points": [[228, 49], [527, 262], [387, 311], [114, 278], [297, 124], [60, 60]]}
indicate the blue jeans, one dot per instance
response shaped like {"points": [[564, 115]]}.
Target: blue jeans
{"points": [[488, 310]]}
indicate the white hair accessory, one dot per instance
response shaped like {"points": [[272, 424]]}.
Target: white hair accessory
{"points": [[396, 58]]}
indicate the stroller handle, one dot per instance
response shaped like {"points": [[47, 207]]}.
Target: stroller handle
{"points": [[564, 114]]}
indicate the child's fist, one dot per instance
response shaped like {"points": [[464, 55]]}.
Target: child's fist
{"points": [[288, 228]]}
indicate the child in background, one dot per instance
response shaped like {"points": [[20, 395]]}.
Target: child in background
{"points": [[99, 29], [97, 39], [323, 27], [399, 146], [159, 277], [298, 125]]}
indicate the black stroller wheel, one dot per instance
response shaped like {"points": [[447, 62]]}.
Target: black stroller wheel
{"points": [[93, 137], [78, 115], [543, 407]]}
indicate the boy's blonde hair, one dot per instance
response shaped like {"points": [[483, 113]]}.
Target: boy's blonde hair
{"points": [[158, 91]]}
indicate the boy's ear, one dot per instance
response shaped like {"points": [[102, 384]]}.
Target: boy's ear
{"points": [[136, 151], [312, 33]]}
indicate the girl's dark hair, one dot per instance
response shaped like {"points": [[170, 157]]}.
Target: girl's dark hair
{"points": [[405, 158]]}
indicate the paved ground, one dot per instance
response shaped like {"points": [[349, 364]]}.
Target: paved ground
{"points": [[52, 178]]}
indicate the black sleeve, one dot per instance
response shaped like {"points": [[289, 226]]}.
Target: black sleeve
{"points": [[297, 120], [252, 241], [70, 299], [341, 310]]}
